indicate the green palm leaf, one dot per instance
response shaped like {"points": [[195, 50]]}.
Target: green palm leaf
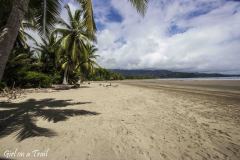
{"points": [[45, 15], [88, 16], [140, 5]]}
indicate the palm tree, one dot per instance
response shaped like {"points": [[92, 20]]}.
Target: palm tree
{"points": [[44, 21], [23, 36], [45, 13], [74, 36], [88, 61], [16, 66], [47, 53]]}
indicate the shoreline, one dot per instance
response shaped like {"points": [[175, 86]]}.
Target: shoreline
{"points": [[122, 122], [220, 88]]}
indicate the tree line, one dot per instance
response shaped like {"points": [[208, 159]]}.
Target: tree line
{"points": [[66, 52]]}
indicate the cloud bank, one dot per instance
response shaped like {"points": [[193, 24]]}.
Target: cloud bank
{"points": [[187, 35]]}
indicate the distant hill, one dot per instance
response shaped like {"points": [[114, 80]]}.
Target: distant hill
{"points": [[142, 74]]}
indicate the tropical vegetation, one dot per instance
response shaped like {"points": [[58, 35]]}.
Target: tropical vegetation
{"points": [[65, 54]]}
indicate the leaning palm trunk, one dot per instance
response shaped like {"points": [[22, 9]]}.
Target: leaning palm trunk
{"points": [[65, 80], [10, 31]]}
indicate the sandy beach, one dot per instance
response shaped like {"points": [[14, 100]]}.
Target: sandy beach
{"points": [[129, 120]]}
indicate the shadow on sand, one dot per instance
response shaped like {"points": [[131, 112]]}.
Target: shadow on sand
{"points": [[2, 158], [21, 117]]}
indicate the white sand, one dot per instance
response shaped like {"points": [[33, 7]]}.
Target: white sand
{"points": [[133, 124]]}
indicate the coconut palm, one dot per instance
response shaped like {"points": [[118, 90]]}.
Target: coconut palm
{"points": [[16, 66], [47, 53], [23, 36], [44, 20], [74, 36], [45, 13], [88, 60]]}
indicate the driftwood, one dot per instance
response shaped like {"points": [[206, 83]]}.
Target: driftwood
{"points": [[109, 85], [63, 87]]}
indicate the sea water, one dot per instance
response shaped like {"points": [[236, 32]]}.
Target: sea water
{"points": [[204, 78]]}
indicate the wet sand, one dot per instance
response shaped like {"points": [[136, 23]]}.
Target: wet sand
{"points": [[142, 120], [219, 88]]}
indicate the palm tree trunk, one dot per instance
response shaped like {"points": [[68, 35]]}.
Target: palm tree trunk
{"points": [[10, 31], [65, 81], [44, 17]]}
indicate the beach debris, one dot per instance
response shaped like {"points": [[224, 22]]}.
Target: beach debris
{"points": [[12, 94], [63, 87], [109, 85]]}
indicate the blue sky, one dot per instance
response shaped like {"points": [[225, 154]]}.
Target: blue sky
{"points": [[180, 35]]}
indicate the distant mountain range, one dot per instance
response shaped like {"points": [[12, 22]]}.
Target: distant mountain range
{"points": [[141, 74]]}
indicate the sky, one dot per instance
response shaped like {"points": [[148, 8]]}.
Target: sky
{"points": [[177, 35]]}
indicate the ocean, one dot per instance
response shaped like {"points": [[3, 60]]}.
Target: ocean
{"points": [[204, 78]]}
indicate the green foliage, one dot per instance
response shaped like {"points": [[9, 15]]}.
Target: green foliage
{"points": [[88, 63], [5, 9], [140, 5], [70, 48], [87, 12], [102, 74], [23, 70], [36, 79], [74, 77], [44, 15], [46, 51], [56, 78], [16, 66], [2, 85], [73, 54]]}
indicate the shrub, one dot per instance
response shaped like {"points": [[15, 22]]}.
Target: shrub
{"points": [[2, 86], [36, 79], [73, 77], [56, 78]]}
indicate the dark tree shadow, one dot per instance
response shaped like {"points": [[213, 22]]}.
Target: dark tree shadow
{"points": [[21, 117], [2, 158]]}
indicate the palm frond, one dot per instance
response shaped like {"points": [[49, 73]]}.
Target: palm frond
{"points": [[88, 15], [140, 5], [65, 43], [45, 18], [71, 18], [64, 24], [62, 31]]}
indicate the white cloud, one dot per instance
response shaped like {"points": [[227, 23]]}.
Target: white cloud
{"points": [[211, 43]]}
